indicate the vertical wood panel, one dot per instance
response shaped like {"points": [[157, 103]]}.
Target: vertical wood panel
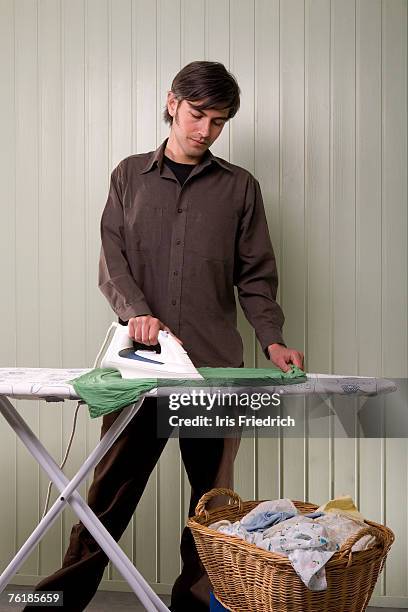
{"points": [[242, 134], [292, 169], [8, 178], [49, 257], [217, 49], [146, 108], [292, 206], [73, 217], [394, 183], [144, 118], [317, 183], [7, 269], [343, 142], [192, 31], [368, 186], [317, 230], [394, 271], [368, 233], [396, 492], [98, 100], [73, 229], [27, 271], [343, 207], [168, 55], [217, 26], [267, 172], [266, 103], [119, 81]]}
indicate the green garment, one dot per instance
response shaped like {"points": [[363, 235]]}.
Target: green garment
{"points": [[104, 390]]}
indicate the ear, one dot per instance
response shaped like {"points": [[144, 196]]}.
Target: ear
{"points": [[172, 103]]}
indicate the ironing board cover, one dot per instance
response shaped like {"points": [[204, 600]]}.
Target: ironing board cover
{"points": [[104, 390]]}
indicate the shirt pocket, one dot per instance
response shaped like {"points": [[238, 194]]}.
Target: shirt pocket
{"points": [[211, 234], [143, 227]]}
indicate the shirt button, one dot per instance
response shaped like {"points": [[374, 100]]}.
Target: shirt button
{"points": [[179, 210], [174, 302], [175, 273], [178, 241]]}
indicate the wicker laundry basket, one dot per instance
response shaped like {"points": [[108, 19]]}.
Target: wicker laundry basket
{"points": [[247, 578]]}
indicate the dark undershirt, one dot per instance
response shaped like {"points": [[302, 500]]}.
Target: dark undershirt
{"points": [[181, 171]]}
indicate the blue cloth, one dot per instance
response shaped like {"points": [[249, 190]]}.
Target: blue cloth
{"points": [[215, 605], [262, 520], [314, 515]]}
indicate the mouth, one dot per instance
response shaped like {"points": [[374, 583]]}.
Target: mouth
{"points": [[200, 143]]}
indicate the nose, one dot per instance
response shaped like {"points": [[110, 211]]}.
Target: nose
{"points": [[204, 128]]}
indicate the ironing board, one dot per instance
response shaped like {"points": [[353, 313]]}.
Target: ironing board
{"points": [[52, 385]]}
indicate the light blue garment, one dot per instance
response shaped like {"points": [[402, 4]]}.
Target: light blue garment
{"points": [[262, 520], [314, 515]]}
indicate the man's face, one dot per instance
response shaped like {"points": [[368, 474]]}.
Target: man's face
{"points": [[195, 130]]}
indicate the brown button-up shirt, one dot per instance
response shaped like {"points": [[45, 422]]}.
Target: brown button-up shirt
{"points": [[177, 253]]}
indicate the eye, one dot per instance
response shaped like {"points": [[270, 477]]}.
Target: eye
{"points": [[196, 116]]}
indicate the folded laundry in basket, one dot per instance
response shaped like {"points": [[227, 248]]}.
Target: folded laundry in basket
{"points": [[269, 513], [309, 541], [307, 545], [342, 505], [339, 528], [238, 530], [302, 540]]}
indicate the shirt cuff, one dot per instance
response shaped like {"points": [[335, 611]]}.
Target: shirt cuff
{"points": [[137, 309]]}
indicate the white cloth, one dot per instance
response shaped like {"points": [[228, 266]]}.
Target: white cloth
{"points": [[307, 546], [340, 528]]}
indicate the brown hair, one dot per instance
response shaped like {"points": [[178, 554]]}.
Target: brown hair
{"points": [[207, 81]]}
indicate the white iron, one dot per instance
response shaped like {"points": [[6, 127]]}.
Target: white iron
{"points": [[171, 362]]}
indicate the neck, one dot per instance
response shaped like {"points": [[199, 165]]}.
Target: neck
{"points": [[174, 152]]}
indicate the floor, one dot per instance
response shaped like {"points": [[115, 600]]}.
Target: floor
{"points": [[109, 601]]}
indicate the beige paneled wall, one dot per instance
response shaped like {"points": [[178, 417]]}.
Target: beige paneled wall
{"points": [[323, 126]]}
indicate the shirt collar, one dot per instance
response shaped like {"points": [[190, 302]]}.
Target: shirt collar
{"points": [[156, 157]]}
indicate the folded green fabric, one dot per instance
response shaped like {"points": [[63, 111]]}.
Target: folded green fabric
{"points": [[104, 390]]}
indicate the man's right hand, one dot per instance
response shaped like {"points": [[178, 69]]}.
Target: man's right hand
{"points": [[145, 329]]}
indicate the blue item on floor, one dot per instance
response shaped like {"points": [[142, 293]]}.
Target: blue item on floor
{"points": [[215, 605]]}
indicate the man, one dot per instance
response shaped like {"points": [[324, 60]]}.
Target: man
{"points": [[180, 229]]}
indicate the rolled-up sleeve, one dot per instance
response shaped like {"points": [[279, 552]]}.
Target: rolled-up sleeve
{"points": [[115, 279], [255, 273]]}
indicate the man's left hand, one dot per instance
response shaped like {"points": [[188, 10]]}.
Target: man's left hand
{"points": [[283, 357]]}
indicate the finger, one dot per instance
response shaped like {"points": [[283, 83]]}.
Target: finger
{"points": [[149, 330], [281, 363], [297, 359], [138, 329], [153, 332], [131, 328]]}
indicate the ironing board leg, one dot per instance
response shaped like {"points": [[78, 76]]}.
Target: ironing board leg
{"points": [[16, 421], [145, 593]]}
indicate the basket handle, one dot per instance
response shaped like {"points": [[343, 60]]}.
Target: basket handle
{"points": [[349, 543], [200, 507]]}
